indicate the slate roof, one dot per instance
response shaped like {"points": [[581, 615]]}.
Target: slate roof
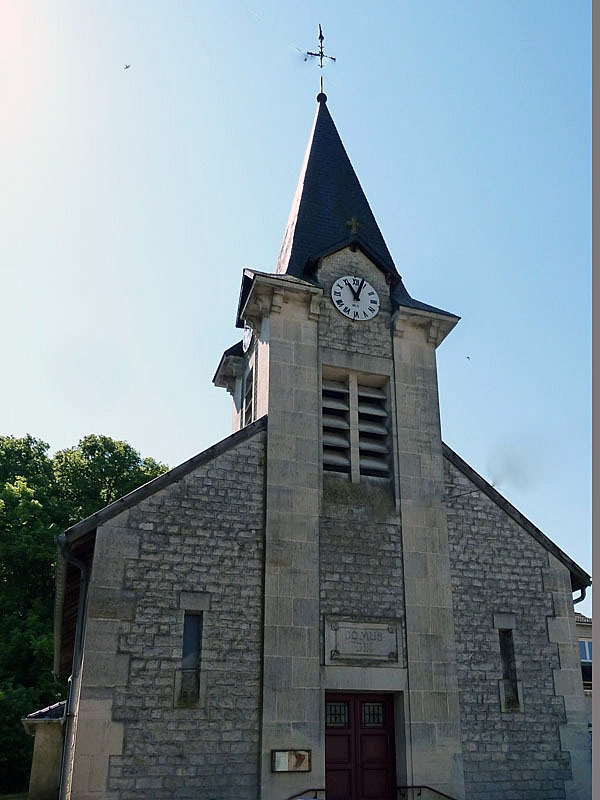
{"points": [[400, 297], [55, 711], [327, 198], [235, 351], [330, 211], [50, 715]]}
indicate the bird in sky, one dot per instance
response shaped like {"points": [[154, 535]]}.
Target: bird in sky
{"points": [[126, 66]]}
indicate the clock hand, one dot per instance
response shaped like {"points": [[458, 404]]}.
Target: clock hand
{"points": [[349, 285], [357, 295]]}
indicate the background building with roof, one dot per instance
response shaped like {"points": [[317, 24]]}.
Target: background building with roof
{"points": [[584, 635], [46, 725]]}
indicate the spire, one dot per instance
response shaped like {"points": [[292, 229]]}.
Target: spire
{"points": [[329, 210]]}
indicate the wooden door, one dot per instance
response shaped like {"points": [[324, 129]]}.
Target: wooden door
{"points": [[360, 756]]}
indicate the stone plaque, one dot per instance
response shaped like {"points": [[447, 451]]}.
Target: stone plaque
{"points": [[360, 642]]}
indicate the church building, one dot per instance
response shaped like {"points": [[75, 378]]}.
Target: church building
{"points": [[328, 603]]}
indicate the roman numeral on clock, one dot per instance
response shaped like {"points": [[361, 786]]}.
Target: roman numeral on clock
{"points": [[355, 298]]}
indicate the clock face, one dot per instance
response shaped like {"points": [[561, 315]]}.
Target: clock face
{"points": [[355, 298], [247, 340]]}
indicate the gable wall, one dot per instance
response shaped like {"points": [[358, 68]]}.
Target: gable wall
{"points": [[498, 568], [198, 542]]}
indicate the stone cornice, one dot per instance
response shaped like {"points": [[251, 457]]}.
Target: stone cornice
{"points": [[268, 293], [230, 368], [434, 326]]}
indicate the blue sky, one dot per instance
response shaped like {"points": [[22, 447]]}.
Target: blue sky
{"points": [[133, 199]]}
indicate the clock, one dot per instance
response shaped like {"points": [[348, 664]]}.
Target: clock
{"points": [[355, 298], [247, 340]]}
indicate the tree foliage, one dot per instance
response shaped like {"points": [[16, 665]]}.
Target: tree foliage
{"points": [[27, 458], [99, 470], [40, 496]]}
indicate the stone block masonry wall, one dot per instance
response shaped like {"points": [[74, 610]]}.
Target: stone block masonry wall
{"points": [[291, 710], [200, 539], [360, 553], [498, 578], [435, 740], [371, 338]]}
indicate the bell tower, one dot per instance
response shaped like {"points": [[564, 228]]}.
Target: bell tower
{"points": [[342, 360]]}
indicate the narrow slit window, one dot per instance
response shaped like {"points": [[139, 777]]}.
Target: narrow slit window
{"points": [[248, 407], [191, 657], [509, 669], [585, 652]]}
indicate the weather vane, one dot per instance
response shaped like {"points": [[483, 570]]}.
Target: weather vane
{"points": [[320, 55]]}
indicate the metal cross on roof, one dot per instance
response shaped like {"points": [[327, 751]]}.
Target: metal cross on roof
{"points": [[354, 225], [320, 55]]}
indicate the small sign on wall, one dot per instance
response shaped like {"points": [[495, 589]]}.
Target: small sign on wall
{"points": [[357, 642], [290, 760]]}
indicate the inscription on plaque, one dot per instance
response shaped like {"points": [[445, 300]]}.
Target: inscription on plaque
{"points": [[359, 642]]}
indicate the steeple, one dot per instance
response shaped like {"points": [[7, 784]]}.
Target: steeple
{"points": [[329, 210]]}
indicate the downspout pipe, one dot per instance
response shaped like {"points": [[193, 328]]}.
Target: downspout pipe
{"points": [[61, 541]]}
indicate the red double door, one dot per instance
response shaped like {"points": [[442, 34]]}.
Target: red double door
{"points": [[360, 756]]}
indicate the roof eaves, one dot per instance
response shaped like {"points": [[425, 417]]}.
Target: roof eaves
{"points": [[232, 353], [55, 711], [579, 577], [402, 299], [60, 584], [246, 285], [50, 715], [275, 279]]}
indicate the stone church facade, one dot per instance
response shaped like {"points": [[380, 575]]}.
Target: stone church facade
{"points": [[330, 601]]}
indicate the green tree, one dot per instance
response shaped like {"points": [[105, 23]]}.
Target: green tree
{"points": [[27, 457], [27, 555], [99, 470], [40, 497]]}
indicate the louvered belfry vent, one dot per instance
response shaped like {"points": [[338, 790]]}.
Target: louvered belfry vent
{"points": [[373, 431], [336, 426], [356, 431]]}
